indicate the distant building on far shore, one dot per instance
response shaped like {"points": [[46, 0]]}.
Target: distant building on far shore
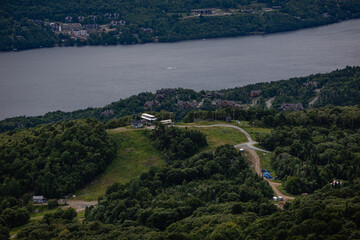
{"points": [[39, 199]]}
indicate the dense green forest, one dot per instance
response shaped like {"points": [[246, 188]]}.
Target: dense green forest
{"points": [[54, 159], [51, 160], [212, 195], [210, 192], [331, 213], [27, 24], [177, 143], [315, 147], [339, 87]]}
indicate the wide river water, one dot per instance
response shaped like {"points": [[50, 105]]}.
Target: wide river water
{"points": [[37, 81]]}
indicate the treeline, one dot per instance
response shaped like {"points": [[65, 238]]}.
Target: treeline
{"points": [[53, 160], [294, 90], [168, 20]]}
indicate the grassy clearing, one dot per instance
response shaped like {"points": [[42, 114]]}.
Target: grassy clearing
{"points": [[254, 132], [135, 155], [204, 123], [217, 136]]}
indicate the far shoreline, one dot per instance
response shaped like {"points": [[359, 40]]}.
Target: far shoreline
{"points": [[264, 34]]}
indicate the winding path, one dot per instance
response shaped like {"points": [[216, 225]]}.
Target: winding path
{"points": [[254, 158]]}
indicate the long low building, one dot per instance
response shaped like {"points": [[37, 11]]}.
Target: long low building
{"points": [[148, 117]]}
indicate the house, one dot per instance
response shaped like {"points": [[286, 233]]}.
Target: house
{"points": [[205, 11], [39, 199], [187, 105], [227, 103], [93, 17], [152, 103], [108, 112], [68, 19], [291, 107], [91, 26], [136, 123], [160, 97], [118, 23], [146, 30], [79, 33], [255, 93], [80, 18], [314, 83]]}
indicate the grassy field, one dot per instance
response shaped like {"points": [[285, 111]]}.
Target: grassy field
{"points": [[217, 136], [135, 155], [253, 131], [205, 123]]}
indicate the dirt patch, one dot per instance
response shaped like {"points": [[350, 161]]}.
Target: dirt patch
{"points": [[79, 205]]}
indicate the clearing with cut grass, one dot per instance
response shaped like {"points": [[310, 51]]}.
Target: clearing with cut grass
{"points": [[217, 136], [134, 156]]}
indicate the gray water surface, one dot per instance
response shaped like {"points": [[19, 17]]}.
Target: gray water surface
{"points": [[37, 81]]}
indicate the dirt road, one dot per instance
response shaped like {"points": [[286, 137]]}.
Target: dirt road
{"points": [[255, 160]]}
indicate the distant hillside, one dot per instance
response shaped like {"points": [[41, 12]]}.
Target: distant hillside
{"points": [[33, 24], [340, 87]]}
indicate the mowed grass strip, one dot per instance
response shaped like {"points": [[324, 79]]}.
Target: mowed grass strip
{"points": [[253, 131], [135, 155], [217, 136]]}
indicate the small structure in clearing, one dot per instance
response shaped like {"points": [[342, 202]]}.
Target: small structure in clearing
{"points": [[39, 199], [136, 123]]}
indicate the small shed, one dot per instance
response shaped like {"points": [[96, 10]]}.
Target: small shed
{"points": [[39, 199], [136, 124], [228, 118], [166, 122]]}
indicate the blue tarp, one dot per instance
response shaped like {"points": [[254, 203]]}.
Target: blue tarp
{"points": [[267, 174]]}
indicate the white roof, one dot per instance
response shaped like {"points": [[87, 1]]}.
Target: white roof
{"points": [[38, 197], [146, 118], [147, 115]]}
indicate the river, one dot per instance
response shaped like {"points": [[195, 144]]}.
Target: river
{"points": [[37, 81]]}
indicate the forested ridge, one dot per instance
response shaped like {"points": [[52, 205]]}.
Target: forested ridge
{"points": [[339, 88], [52, 160], [27, 24]]}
